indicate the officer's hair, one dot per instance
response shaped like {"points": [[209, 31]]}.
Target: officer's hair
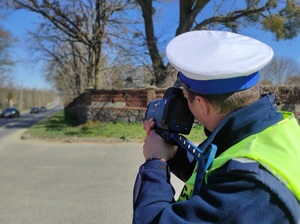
{"points": [[229, 102]]}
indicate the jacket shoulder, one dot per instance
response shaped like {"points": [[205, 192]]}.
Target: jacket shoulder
{"points": [[251, 170]]}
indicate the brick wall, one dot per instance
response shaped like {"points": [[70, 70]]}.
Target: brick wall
{"points": [[130, 105], [127, 105]]}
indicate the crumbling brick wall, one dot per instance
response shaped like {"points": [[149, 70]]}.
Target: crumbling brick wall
{"points": [[130, 105], [127, 105]]}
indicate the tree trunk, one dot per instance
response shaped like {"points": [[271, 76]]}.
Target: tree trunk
{"points": [[159, 69]]}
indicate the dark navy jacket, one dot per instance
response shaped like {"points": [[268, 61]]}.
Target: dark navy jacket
{"points": [[235, 193]]}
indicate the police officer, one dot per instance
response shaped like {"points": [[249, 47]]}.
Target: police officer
{"points": [[254, 177]]}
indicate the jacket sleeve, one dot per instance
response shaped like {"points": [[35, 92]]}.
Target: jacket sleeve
{"points": [[152, 191], [227, 198]]}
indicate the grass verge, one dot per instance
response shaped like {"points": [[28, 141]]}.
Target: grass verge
{"points": [[60, 126]]}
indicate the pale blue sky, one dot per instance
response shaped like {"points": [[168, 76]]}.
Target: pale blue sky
{"points": [[28, 73]]}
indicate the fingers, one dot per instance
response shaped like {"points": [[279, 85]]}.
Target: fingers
{"points": [[155, 146], [148, 125]]}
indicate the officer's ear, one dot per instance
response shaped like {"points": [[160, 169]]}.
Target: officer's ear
{"points": [[204, 105]]}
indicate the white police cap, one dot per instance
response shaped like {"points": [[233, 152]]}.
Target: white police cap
{"points": [[216, 62]]}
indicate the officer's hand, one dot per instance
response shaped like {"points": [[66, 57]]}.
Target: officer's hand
{"points": [[148, 125], [155, 146]]}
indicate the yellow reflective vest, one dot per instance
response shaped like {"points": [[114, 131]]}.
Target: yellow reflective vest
{"points": [[277, 149]]}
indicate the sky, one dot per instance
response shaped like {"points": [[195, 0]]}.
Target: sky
{"points": [[28, 73]]}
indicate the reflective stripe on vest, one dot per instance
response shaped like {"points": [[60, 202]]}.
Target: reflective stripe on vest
{"points": [[280, 158]]}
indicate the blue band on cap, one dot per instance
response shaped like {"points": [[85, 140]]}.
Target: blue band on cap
{"points": [[220, 86]]}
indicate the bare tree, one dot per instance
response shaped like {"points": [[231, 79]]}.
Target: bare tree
{"points": [[66, 68], [6, 42], [280, 70], [76, 23], [6, 62], [11, 95], [279, 17], [293, 80], [87, 45]]}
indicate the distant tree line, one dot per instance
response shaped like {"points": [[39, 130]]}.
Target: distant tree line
{"points": [[24, 98], [105, 44]]}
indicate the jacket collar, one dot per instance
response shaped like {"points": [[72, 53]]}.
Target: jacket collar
{"points": [[243, 123]]}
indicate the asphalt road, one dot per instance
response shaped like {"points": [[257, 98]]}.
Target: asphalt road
{"points": [[45, 182], [10, 125]]}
